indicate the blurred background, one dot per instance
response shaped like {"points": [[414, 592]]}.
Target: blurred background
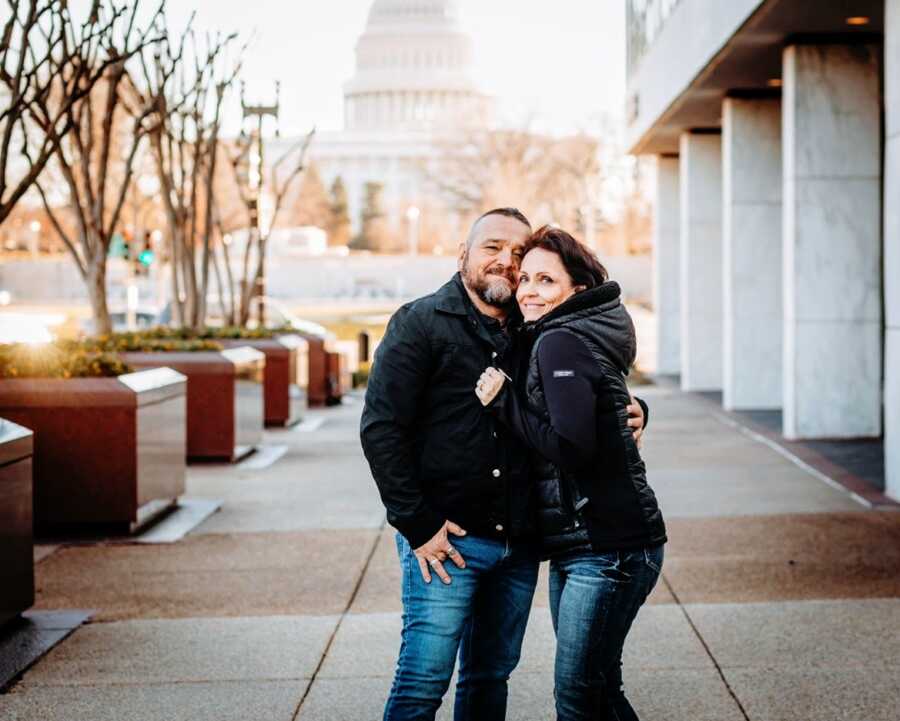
{"points": [[730, 163], [379, 130]]}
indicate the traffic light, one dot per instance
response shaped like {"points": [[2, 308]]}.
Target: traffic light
{"points": [[145, 257], [119, 247]]}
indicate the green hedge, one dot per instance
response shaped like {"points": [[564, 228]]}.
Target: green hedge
{"points": [[166, 333], [145, 342], [59, 360]]}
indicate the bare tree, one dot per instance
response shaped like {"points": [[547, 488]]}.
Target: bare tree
{"points": [[284, 173], [96, 154], [552, 178], [188, 82], [48, 65]]}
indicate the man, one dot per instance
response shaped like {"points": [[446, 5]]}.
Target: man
{"points": [[455, 484]]}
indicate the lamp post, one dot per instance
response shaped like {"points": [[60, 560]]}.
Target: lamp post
{"points": [[256, 181], [412, 217], [33, 239]]}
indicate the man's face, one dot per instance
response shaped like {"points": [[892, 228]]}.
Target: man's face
{"points": [[489, 263]]}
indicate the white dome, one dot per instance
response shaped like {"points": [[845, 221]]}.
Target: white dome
{"points": [[413, 68], [412, 11]]}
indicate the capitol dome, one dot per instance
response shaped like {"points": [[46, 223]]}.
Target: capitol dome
{"points": [[412, 10], [413, 69]]}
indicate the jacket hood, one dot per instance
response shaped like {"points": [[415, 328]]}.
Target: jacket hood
{"points": [[599, 317]]}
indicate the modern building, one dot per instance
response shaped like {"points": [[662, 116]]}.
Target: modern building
{"points": [[412, 88], [776, 124]]}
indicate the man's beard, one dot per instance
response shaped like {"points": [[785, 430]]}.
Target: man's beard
{"points": [[489, 287]]}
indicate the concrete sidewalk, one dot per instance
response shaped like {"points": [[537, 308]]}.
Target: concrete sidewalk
{"points": [[779, 599]]}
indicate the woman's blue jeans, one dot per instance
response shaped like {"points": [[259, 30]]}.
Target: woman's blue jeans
{"points": [[594, 597], [481, 615]]}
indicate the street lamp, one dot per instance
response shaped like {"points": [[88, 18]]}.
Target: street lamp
{"points": [[412, 216], [256, 171], [35, 227]]}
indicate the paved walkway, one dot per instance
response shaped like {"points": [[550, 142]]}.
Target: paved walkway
{"points": [[780, 598]]}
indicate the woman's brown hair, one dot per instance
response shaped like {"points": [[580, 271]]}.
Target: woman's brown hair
{"points": [[580, 263]]}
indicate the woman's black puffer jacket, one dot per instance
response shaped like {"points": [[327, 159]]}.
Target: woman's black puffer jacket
{"points": [[591, 481]]}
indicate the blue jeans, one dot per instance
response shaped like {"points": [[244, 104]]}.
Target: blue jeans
{"points": [[480, 616], [594, 597]]}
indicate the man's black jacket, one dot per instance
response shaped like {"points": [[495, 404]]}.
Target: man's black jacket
{"points": [[435, 452]]}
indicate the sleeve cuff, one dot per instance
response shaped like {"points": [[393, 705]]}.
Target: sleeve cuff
{"points": [[646, 410], [419, 529]]}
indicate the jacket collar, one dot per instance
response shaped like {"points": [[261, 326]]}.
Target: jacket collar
{"points": [[596, 300], [452, 297]]}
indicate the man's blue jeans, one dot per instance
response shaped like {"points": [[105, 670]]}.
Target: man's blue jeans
{"points": [[594, 597], [481, 616]]}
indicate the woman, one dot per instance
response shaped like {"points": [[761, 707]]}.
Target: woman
{"points": [[599, 522]]}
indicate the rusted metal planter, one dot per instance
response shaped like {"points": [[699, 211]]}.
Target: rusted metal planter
{"points": [[317, 353], [286, 376], [108, 452], [224, 398], [16, 537], [335, 374]]}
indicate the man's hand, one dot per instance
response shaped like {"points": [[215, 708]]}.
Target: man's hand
{"points": [[437, 550], [489, 385], [636, 420]]}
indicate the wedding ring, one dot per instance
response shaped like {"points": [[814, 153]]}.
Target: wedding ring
{"points": [[433, 562], [451, 552]]}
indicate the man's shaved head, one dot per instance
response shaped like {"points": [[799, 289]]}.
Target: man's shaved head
{"points": [[513, 213]]}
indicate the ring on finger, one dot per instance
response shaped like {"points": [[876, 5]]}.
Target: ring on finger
{"points": [[451, 551], [433, 562]]}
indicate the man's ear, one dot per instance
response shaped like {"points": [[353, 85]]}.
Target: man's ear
{"points": [[461, 255]]}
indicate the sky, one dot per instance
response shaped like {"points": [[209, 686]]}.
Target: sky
{"points": [[558, 65]]}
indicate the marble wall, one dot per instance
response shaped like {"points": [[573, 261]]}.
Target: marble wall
{"points": [[892, 247], [832, 241], [752, 318], [701, 261], [666, 265]]}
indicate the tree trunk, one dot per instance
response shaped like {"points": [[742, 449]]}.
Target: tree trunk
{"points": [[96, 286]]}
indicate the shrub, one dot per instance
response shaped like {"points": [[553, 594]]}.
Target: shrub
{"points": [[167, 333], [361, 376], [146, 342], [237, 333], [58, 360]]}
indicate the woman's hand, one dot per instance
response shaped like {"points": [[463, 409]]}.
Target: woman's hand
{"points": [[489, 385]]}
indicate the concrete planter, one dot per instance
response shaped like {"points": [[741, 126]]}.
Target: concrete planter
{"points": [[108, 452], [224, 398], [286, 376], [16, 539]]}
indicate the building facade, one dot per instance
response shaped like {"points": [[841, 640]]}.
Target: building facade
{"points": [[776, 125], [412, 88]]}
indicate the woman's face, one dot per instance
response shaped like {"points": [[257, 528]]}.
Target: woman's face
{"points": [[543, 283]]}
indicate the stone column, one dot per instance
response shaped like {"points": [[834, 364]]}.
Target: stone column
{"points": [[892, 247], [667, 265], [752, 320], [832, 241], [701, 261]]}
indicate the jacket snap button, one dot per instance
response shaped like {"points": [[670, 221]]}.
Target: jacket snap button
{"points": [[496, 473], [499, 526]]}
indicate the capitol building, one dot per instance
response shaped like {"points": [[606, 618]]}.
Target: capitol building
{"points": [[413, 88]]}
